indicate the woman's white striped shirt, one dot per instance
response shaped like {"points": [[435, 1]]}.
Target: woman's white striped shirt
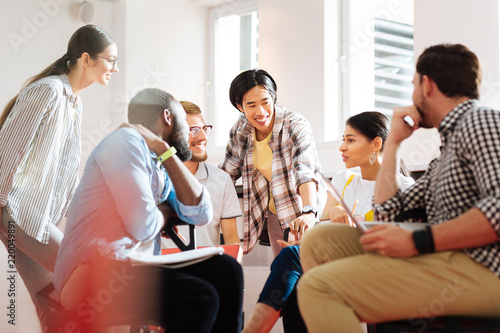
{"points": [[40, 155]]}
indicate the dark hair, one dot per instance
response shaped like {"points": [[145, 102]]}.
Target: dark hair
{"points": [[372, 124], [148, 104], [249, 79], [455, 69], [89, 38]]}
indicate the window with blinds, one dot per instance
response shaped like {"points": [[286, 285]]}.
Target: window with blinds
{"points": [[394, 65]]}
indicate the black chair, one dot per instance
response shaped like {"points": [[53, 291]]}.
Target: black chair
{"points": [[170, 230], [264, 236], [445, 324]]}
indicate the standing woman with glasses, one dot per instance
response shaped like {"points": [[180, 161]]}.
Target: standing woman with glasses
{"points": [[40, 135], [274, 152]]}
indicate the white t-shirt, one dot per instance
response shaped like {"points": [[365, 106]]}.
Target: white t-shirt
{"points": [[361, 189], [224, 200]]}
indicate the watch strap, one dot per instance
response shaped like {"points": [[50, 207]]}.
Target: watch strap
{"points": [[309, 209], [423, 240]]}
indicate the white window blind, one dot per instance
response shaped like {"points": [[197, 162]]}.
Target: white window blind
{"points": [[394, 65]]}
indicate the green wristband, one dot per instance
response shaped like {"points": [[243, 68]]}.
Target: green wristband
{"points": [[166, 155]]}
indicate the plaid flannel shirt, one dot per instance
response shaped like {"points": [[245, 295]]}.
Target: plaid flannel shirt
{"points": [[465, 176], [295, 162]]}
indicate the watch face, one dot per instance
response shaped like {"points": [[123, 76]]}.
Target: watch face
{"points": [[309, 209]]}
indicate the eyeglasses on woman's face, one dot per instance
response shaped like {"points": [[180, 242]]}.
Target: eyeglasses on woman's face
{"points": [[112, 62], [195, 130]]}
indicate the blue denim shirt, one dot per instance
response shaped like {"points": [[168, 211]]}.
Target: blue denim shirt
{"points": [[115, 204]]}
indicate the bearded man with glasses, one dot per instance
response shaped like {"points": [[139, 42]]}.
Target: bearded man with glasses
{"points": [[219, 184]]}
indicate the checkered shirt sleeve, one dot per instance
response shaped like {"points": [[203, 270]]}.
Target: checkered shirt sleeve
{"points": [[465, 176]]}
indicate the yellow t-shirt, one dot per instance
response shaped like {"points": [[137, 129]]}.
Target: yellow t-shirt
{"points": [[263, 161]]}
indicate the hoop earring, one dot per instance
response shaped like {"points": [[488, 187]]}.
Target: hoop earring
{"points": [[372, 158]]}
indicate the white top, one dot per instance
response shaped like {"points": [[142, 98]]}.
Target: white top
{"points": [[361, 189], [224, 200], [40, 155]]}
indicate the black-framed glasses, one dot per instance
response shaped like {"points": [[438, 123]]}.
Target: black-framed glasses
{"points": [[195, 130], [113, 62]]}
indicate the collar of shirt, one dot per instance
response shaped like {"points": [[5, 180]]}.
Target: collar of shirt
{"points": [[69, 92], [450, 121], [202, 172]]}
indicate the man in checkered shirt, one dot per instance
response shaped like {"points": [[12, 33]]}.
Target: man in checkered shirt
{"points": [[452, 267]]}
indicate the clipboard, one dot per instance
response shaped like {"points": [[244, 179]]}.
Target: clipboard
{"points": [[364, 225]]}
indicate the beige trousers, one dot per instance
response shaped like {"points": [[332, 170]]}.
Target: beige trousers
{"points": [[344, 285]]}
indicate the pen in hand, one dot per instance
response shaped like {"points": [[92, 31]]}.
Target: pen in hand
{"points": [[352, 212], [354, 207]]}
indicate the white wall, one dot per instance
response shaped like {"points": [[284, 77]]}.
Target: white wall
{"points": [[167, 47], [160, 44], [472, 23], [291, 48]]}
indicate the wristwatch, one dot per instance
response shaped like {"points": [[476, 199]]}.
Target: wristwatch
{"points": [[423, 240], [309, 209]]}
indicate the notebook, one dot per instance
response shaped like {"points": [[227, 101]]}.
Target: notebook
{"points": [[179, 259], [365, 225]]}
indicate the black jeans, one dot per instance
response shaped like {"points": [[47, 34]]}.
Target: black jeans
{"points": [[204, 297]]}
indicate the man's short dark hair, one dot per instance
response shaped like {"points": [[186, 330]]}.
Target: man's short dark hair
{"points": [[147, 105], [249, 79], [454, 68]]}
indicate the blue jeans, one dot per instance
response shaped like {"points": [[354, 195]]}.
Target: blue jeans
{"points": [[279, 291]]}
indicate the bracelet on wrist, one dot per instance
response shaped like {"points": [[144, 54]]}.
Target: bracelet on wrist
{"points": [[166, 155]]}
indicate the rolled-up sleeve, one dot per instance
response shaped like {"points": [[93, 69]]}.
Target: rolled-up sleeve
{"points": [[199, 215], [490, 207], [304, 153]]}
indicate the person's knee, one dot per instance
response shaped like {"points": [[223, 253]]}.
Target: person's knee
{"points": [[287, 257], [290, 252], [328, 242], [311, 284], [231, 265], [230, 268]]}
